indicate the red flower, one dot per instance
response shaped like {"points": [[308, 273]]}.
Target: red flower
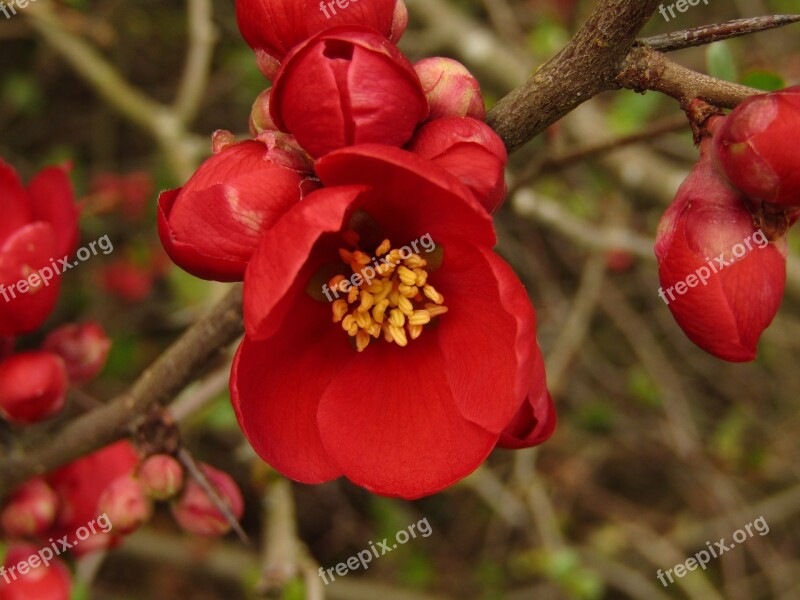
{"points": [[347, 86], [31, 509], [211, 225], [39, 226], [196, 512], [755, 148], [33, 386], [406, 418], [44, 578], [79, 486], [471, 151], [84, 349], [274, 27], [720, 276]]}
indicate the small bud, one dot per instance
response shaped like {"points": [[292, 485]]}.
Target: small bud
{"points": [[126, 505], [756, 148], [48, 580], [33, 386], [31, 509], [222, 139], [84, 349], [161, 476], [450, 88], [260, 119], [196, 512]]}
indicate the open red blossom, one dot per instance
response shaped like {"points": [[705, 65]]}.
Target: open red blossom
{"points": [[755, 147], [347, 86], [39, 226], [211, 225], [79, 486], [41, 580], [403, 383], [720, 276], [274, 27], [470, 150]]}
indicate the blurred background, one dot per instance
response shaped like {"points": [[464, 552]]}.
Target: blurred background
{"points": [[660, 447]]}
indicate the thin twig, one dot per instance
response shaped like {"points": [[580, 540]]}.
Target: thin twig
{"points": [[198, 60]]}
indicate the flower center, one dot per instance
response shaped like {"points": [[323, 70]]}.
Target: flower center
{"points": [[387, 294]]}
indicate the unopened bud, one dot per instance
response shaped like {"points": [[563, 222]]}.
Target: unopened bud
{"points": [[45, 578], [161, 476], [126, 505], [84, 349], [33, 386], [30, 510], [260, 119], [197, 513], [450, 88]]}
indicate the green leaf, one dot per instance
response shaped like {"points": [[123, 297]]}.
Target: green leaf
{"points": [[764, 80], [720, 62]]}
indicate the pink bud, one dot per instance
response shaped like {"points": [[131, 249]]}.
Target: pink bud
{"points": [[721, 278], [33, 386], [470, 150], [30, 510], [347, 86], [756, 148], [84, 349], [450, 88], [260, 119], [211, 226], [196, 513], [161, 476], [125, 504], [221, 140], [38, 579]]}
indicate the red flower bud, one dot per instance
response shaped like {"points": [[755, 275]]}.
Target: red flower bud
{"points": [[33, 386], [274, 27], [471, 151], [450, 88], [347, 86], [126, 505], [755, 148], [30, 510], [196, 513], [35, 577], [720, 276], [211, 226], [161, 476], [84, 349]]}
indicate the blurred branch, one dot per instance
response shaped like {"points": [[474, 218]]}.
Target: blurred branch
{"points": [[198, 60], [699, 36], [171, 372]]}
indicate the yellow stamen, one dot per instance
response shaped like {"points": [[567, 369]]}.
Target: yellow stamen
{"points": [[340, 309]]}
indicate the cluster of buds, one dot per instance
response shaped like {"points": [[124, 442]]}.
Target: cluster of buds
{"points": [[339, 81], [721, 245]]}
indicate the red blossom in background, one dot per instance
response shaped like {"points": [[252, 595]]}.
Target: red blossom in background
{"points": [[347, 86], [33, 386], [39, 225], [315, 406], [84, 349], [211, 225], [31, 509], [43, 582], [197, 513], [723, 312], [272, 28]]}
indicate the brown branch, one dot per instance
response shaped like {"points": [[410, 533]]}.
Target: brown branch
{"points": [[587, 66], [157, 385], [699, 36], [647, 69]]}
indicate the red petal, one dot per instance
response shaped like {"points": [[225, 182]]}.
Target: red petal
{"points": [[23, 255], [535, 421], [53, 201], [490, 311], [391, 422], [284, 261], [16, 208], [276, 386]]}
